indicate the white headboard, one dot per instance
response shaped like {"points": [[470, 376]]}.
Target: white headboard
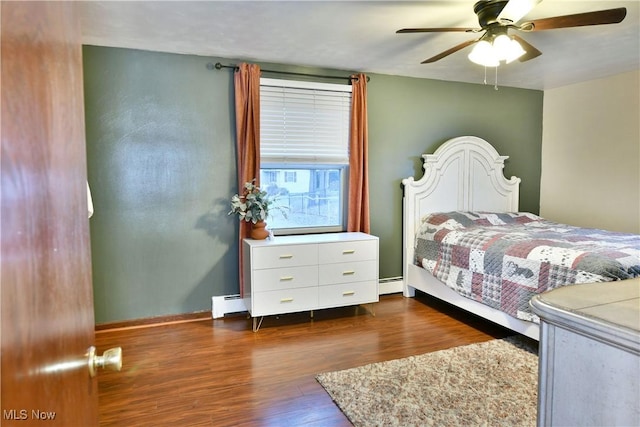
{"points": [[464, 173]]}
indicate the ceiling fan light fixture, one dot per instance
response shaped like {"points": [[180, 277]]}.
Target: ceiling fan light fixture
{"points": [[507, 49], [514, 51], [484, 54], [502, 48]]}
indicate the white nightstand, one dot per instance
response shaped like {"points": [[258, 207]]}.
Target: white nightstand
{"points": [[308, 272]]}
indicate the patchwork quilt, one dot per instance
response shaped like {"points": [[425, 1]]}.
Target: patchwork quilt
{"points": [[504, 259]]}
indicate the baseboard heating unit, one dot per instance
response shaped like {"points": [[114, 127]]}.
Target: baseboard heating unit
{"points": [[226, 304], [390, 285]]}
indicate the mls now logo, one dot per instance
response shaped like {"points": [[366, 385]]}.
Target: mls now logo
{"points": [[23, 414]]}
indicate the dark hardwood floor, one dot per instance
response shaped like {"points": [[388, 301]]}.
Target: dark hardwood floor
{"points": [[220, 373]]}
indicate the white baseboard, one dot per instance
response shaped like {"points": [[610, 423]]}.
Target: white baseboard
{"points": [[226, 304]]}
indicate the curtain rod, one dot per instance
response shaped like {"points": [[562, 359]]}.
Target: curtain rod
{"points": [[219, 66]]}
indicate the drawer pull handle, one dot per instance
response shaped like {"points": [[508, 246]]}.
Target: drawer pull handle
{"points": [[348, 293], [286, 300], [348, 251], [286, 256], [348, 273], [286, 278]]}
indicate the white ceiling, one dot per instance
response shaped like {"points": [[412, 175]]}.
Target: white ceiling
{"points": [[360, 36]]}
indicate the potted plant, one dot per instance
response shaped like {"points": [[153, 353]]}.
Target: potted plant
{"points": [[253, 206]]}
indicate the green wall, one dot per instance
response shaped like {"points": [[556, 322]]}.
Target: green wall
{"points": [[161, 166]]}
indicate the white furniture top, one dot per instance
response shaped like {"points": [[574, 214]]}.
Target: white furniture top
{"points": [[311, 238], [608, 312]]}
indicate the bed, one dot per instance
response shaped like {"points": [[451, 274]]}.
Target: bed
{"points": [[463, 203]]}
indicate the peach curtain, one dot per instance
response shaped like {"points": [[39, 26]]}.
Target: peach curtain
{"points": [[247, 97], [358, 216]]}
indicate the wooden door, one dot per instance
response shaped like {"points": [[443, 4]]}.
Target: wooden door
{"points": [[46, 295]]}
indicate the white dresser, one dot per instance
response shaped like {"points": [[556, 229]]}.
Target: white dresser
{"points": [[589, 365], [309, 272]]}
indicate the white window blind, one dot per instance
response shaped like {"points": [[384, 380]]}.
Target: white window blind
{"points": [[304, 122]]}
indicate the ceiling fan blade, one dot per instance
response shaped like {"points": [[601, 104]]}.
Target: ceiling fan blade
{"points": [[436, 30], [515, 10], [608, 16], [531, 51], [449, 52]]}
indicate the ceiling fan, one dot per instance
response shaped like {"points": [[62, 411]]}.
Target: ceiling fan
{"points": [[497, 17]]}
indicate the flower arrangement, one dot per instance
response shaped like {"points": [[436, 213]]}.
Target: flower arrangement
{"points": [[253, 205]]}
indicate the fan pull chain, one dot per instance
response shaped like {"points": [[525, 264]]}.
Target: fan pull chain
{"points": [[495, 84]]}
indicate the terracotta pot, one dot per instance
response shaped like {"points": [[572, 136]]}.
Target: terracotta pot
{"points": [[258, 231]]}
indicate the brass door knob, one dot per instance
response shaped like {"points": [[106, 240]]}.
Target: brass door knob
{"points": [[111, 359]]}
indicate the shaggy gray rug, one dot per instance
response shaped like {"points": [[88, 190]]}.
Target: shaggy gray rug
{"points": [[493, 383]]}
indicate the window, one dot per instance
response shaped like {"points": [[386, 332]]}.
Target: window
{"points": [[290, 176], [269, 176], [304, 154]]}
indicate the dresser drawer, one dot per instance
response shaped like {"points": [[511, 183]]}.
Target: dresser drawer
{"points": [[358, 250], [285, 278], [345, 272], [348, 294], [284, 256], [284, 301]]}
